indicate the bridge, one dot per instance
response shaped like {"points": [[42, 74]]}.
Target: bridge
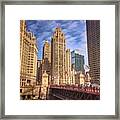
{"points": [[63, 92], [72, 92]]}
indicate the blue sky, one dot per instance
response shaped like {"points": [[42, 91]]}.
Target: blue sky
{"points": [[74, 30]]}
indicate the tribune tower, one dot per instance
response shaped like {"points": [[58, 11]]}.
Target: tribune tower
{"points": [[58, 50]]}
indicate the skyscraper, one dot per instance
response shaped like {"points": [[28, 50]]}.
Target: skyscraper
{"points": [[58, 57], [93, 44], [77, 61], [72, 75], [39, 71], [68, 67], [46, 62], [47, 51], [28, 57]]}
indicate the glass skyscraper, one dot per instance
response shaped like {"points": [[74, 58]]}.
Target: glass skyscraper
{"points": [[77, 61]]}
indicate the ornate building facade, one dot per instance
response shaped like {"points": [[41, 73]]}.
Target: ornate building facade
{"points": [[68, 67], [47, 51], [28, 58], [58, 51], [44, 86], [46, 61]]}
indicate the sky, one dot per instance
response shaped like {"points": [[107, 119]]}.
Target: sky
{"points": [[74, 30]]}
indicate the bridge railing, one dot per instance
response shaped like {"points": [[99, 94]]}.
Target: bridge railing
{"points": [[88, 89]]}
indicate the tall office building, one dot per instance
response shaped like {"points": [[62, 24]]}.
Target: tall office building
{"points": [[47, 51], [39, 71], [46, 62], [58, 57], [93, 44], [77, 61], [28, 57], [72, 75], [68, 67]]}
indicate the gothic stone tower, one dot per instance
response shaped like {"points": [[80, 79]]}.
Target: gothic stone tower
{"points": [[58, 50]]}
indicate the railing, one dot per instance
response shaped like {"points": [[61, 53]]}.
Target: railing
{"points": [[86, 89]]}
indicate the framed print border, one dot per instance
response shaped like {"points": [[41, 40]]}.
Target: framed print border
{"points": [[69, 2]]}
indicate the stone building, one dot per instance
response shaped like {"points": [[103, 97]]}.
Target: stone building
{"points": [[28, 58], [46, 61], [44, 86], [68, 67], [47, 51], [58, 51], [39, 71], [79, 78], [87, 79], [72, 76]]}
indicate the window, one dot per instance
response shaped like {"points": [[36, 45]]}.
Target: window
{"points": [[28, 81], [20, 90]]}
